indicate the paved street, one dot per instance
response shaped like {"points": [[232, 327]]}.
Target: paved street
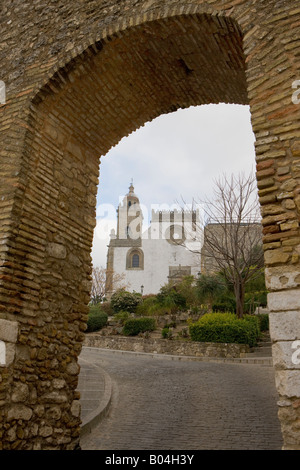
{"points": [[164, 404]]}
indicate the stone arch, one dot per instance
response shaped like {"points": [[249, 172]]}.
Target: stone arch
{"points": [[140, 66], [140, 15]]}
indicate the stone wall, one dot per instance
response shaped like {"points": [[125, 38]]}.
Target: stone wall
{"points": [[79, 76], [165, 346]]}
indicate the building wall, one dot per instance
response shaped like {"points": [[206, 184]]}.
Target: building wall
{"points": [[158, 256]]}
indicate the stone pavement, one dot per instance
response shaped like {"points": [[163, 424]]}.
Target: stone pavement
{"points": [[136, 401]]}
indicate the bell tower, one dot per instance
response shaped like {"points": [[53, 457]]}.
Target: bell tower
{"points": [[127, 241], [130, 218]]}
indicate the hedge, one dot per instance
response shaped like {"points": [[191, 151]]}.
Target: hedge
{"points": [[225, 328], [134, 326]]}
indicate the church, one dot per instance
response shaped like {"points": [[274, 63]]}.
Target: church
{"points": [[164, 252]]}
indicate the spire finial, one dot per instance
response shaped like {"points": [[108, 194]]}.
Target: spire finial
{"points": [[131, 188]]}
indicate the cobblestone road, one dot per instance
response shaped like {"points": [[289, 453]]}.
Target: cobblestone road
{"points": [[166, 404]]}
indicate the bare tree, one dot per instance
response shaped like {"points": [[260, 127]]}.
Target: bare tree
{"points": [[99, 278], [233, 233]]}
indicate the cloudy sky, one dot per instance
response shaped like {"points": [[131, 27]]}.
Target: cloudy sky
{"points": [[173, 158]]}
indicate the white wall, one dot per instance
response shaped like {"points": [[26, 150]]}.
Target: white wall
{"points": [[158, 256]]}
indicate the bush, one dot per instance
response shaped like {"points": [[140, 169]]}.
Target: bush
{"points": [[147, 306], [225, 328], [125, 301], [253, 300], [97, 319], [166, 333], [122, 317], [227, 302], [263, 319], [150, 306], [168, 296], [187, 288], [106, 308], [134, 326], [224, 304]]}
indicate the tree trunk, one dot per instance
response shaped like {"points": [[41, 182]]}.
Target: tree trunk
{"points": [[239, 290]]}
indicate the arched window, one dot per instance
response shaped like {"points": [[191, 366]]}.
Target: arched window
{"points": [[135, 259]]}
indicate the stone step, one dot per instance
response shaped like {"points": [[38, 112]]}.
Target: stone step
{"points": [[259, 351], [262, 344], [265, 353]]}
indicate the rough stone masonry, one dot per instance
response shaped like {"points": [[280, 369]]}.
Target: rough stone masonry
{"points": [[77, 77]]}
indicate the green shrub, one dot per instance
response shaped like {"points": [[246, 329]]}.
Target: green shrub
{"points": [[253, 300], [225, 303], [106, 308], [263, 319], [225, 328], [184, 333], [122, 317], [97, 319], [125, 301], [158, 310], [168, 296], [94, 308], [255, 324], [151, 307], [146, 306], [134, 326], [165, 332]]}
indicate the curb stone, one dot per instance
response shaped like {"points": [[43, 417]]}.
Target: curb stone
{"points": [[244, 360], [96, 415]]}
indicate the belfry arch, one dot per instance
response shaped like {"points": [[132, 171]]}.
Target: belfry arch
{"points": [[79, 95]]}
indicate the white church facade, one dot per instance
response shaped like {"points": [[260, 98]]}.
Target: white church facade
{"points": [[167, 250]]}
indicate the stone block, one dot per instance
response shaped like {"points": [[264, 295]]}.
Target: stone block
{"points": [[288, 383], [284, 301], [8, 338], [276, 257], [289, 225], [20, 393], [277, 279], [285, 326], [76, 408], [57, 250], [286, 354], [20, 412], [8, 331], [10, 353]]}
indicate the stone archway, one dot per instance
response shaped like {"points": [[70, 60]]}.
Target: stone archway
{"points": [[81, 94]]}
